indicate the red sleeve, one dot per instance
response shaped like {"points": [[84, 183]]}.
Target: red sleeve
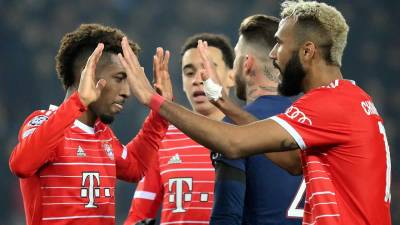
{"points": [[148, 196], [40, 134], [133, 160], [316, 120]]}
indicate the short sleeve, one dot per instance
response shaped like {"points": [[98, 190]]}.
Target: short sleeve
{"points": [[316, 120]]}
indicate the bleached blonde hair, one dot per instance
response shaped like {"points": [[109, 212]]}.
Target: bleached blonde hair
{"points": [[329, 22]]}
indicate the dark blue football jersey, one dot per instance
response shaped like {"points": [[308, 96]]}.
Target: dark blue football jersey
{"points": [[268, 194]]}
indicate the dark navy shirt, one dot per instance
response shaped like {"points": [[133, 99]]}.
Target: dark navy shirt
{"points": [[267, 196]]}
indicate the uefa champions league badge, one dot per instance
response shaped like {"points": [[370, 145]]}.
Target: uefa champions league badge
{"points": [[109, 151], [38, 120]]}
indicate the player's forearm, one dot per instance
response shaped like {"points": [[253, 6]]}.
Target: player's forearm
{"points": [[233, 111], [144, 147], [36, 149], [209, 133]]}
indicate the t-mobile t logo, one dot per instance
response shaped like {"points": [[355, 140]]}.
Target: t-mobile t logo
{"points": [[179, 196], [93, 191]]}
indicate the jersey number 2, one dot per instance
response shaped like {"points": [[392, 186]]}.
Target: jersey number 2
{"points": [[388, 163], [294, 210]]}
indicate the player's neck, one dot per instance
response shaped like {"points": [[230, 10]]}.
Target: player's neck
{"points": [[321, 75], [259, 88]]}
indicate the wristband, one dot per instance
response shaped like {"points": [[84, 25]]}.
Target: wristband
{"points": [[212, 90], [156, 102]]}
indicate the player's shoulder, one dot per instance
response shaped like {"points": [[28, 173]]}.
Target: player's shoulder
{"points": [[35, 119], [38, 117], [328, 95]]}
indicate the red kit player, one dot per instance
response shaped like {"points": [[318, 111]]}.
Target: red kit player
{"points": [[68, 158], [344, 150], [182, 181]]}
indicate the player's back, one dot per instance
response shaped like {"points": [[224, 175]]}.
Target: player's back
{"points": [[346, 163], [276, 198], [367, 189]]}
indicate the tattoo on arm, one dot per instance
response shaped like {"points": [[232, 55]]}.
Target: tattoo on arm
{"points": [[288, 145]]}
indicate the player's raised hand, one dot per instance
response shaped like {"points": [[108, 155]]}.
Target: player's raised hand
{"points": [[89, 90], [162, 81], [210, 71], [138, 82]]}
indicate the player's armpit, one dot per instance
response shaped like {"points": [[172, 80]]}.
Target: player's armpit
{"points": [[288, 160]]}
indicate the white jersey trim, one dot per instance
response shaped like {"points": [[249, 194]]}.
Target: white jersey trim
{"points": [[84, 127], [77, 217], [299, 140], [186, 169], [145, 195], [177, 148]]}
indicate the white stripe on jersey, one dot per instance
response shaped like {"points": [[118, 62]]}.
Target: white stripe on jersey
{"points": [[320, 193], [321, 216], [77, 217], [296, 136], [145, 195], [196, 181], [182, 163], [317, 178], [86, 164], [201, 208], [47, 187], [88, 140], [184, 155], [187, 169], [178, 139], [77, 203], [184, 147], [73, 176]]}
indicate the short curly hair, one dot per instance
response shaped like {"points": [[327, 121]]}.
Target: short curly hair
{"points": [[322, 23], [83, 41], [214, 40]]}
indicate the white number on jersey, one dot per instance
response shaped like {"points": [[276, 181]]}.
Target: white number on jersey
{"points": [[294, 210], [388, 163]]}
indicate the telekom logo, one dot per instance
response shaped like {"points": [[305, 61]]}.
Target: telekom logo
{"points": [[179, 195], [294, 113], [92, 190]]}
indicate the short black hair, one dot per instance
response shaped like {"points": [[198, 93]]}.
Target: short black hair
{"points": [[82, 41], [260, 29], [214, 40]]}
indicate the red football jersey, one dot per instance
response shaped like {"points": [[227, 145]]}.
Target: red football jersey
{"points": [[182, 181], [68, 170], [345, 155]]}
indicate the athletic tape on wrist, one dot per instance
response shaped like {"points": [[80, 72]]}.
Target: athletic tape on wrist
{"points": [[213, 91], [156, 102]]}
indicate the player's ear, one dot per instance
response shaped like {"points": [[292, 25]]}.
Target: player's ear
{"points": [[248, 63], [230, 79], [307, 52]]}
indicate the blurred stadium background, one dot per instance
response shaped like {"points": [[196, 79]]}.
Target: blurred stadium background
{"points": [[30, 31]]}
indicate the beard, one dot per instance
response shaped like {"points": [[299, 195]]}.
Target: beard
{"points": [[292, 77], [240, 82], [104, 118]]}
